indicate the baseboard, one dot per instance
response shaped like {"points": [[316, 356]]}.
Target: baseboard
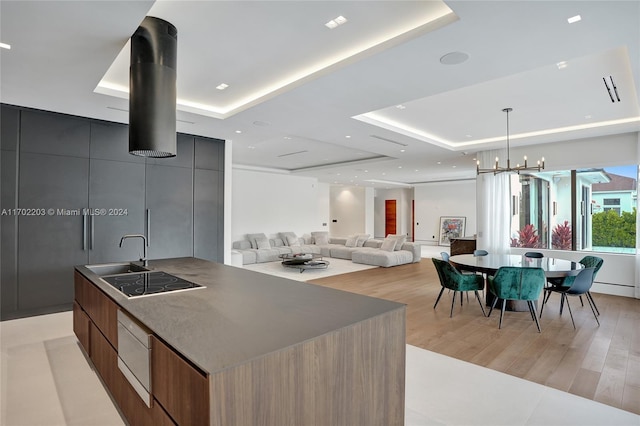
{"points": [[613, 289]]}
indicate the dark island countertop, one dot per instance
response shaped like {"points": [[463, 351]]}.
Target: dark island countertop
{"points": [[240, 315]]}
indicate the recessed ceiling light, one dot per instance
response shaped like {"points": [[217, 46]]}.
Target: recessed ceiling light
{"points": [[251, 147], [334, 23], [331, 24], [402, 150], [287, 137], [454, 58], [561, 65], [238, 131], [5, 46], [222, 86], [401, 106], [453, 167], [439, 162], [588, 117], [347, 136], [574, 19], [399, 167]]}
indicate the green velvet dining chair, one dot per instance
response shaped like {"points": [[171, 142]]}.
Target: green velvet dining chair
{"points": [[514, 283], [458, 282]]}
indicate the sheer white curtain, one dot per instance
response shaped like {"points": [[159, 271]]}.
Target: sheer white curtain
{"points": [[637, 292], [493, 195]]}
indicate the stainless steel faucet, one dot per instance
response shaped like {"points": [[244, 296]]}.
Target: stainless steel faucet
{"points": [[144, 246]]}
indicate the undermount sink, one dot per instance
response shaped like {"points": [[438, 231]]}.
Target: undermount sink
{"points": [[116, 269]]}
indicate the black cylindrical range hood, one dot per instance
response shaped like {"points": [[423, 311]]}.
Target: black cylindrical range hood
{"points": [[152, 89]]}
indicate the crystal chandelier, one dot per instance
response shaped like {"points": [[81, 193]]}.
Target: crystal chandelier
{"points": [[518, 168]]}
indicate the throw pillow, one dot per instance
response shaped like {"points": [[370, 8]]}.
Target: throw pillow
{"points": [[388, 244], [252, 239], [318, 234], [352, 240], [293, 241], [285, 236], [362, 238], [321, 240], [263, 243], [400, 240]]}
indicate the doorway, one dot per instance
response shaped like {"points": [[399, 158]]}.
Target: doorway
{"points": [[389, 217]]}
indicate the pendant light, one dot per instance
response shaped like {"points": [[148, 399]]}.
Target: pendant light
{"points": [[518, 168]]}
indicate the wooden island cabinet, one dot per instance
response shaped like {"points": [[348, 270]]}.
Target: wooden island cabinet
{"points": [[249, 349], [93, 308]]}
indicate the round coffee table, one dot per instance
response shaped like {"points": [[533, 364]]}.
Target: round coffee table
{"points": [[303, 261]]}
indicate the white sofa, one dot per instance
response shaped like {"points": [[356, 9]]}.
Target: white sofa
{"points": [[257, 248]]}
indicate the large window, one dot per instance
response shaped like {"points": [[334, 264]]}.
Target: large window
{"points": [[584, 209]]}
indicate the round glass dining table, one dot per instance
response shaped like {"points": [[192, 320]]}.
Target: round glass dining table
{"points": [[489, 264]]}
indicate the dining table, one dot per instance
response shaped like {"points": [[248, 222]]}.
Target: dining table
{"points": [[489, 264]]}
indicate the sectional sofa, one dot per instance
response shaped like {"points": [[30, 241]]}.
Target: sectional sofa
{"points": [[359, 248]]}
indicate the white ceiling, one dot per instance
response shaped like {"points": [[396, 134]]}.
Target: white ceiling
{"points": [[318, 102]]}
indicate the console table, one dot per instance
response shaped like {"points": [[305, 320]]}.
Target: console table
{"points": [[462, 245]]}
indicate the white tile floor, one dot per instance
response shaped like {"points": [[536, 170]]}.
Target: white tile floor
{"points": [[46, 380]]}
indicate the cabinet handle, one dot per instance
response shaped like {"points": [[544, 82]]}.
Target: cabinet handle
{"points": [[84, 232], [92, 233], [148, 226]]}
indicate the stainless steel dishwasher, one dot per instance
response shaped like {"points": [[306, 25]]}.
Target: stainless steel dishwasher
{"points": [[134, 355]]}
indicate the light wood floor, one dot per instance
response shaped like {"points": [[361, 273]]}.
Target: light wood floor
{"points": [[599, 363]]}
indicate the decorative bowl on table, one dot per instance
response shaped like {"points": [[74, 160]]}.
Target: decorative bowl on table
{"points": [[303, 256]]}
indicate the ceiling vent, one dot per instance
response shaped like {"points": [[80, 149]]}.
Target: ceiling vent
{"points": [[388, 140], [152, 89], [615, 89]]}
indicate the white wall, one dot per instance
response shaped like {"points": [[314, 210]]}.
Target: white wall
{"points": [[369, 211], [273, 203], [348, 206], [436, 199], [403, 197]]}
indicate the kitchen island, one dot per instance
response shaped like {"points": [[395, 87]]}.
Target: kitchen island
{"points": [[250, 349]]}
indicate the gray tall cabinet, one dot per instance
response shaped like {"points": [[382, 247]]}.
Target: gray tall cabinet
{"points": [[86, 191]]}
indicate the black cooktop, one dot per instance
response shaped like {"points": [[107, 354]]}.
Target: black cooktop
{"points": [[147, 283]]}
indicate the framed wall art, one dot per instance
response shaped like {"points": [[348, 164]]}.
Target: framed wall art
{"points": [[451, 227]]}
